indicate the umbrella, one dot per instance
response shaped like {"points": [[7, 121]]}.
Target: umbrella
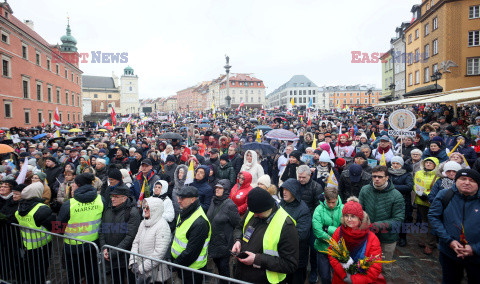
{"points": [[39, 136], [183, 128], [171, 135], [103, 130], [281, 134], [263, 127], [204, 125], [266, 149], [75, 130], [63, 131], [253, 120], [4, 128], [4, 148]]}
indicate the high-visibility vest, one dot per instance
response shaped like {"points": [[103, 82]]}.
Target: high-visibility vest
{"points": [[85, 220], [180, 240], [271, 239], [32, 239]]}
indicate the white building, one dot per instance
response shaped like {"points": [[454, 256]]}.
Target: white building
{"points": [[243, 88], [300, 88], [129, 100]]}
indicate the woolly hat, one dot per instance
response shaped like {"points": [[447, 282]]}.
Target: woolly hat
{"points": [[259, 200], [397, 159], [296, 154], [265, 180], [353, 207], [34, 190], [360, 155], [170, 158], [340, 162], [224, 157], [468, 173], [115, 174], [318, 152], [51, 159], [84, 179], [451, 166], [324, 157], [41, 176]]}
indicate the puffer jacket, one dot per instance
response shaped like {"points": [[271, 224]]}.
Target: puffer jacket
{"points": [[179, 183], [205, 191], [386, 209], [223, 216], [226, 172], [468, 153], [168, 209], [300, 212], [441, 155], [152, 240], [239, 193], [347, 188], [424, 181], [311, 194], [327, 218]]}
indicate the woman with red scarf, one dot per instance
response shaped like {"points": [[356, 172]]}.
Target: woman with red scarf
{"points": [[360, 242], [344, 148]]}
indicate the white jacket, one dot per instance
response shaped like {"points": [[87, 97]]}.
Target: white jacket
{"points": [[152, 240], [254, 168], [168, 210]]}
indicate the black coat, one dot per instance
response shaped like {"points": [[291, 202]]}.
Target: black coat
{"points": [[237, 162], [311, 194], [53, 173], [347, 188], [226, 172], [134, 166]]}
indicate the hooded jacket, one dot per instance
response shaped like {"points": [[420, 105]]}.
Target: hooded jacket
{"points": [[300, 212], [402, 180], [223, 216], [179, 183], [31, 196], [424, 181], [386, 209], [239, 193], [226, 172], [152, 240], [168, 209], [311, 193], [84, 194], [441, 155], [205, 191], [325, 222], [254, 168]]}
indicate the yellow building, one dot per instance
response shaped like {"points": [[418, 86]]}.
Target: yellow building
{"points": [[444, 36]]}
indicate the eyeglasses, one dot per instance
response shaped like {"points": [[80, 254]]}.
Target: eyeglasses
{"points": [[146, 208], [378, 177]]}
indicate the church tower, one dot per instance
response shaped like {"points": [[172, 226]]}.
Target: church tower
{"points": [[129, 99]]}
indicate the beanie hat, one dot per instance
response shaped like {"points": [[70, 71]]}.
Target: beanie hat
{"points": [[340, 162], [20, 187], [115, 174], [84, 179], [224, 157], [325, 147], [353, 207], [397, 159], [360, 155], [318, 152], [51, 159], [259, 200], [34, 190], [468, 173], [170, 158], [451, 166], [296, 154], [265, 180], [325, 158], [101, 161], [41, 176]]}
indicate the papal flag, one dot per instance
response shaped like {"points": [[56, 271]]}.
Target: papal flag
{"points": [[332, 180]]}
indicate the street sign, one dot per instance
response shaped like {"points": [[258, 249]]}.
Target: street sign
{"points": [[402, 120], [401, 133]]}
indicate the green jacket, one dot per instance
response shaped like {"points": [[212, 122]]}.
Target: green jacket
{"points": [[386, 209], [324, 216]]}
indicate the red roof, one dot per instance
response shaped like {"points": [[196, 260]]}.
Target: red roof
{"points": [[244, 77]]}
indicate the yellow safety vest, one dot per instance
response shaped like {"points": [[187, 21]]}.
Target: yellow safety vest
{"points": [[32, 239], [271, 239], [180, 240], [85, 220]]}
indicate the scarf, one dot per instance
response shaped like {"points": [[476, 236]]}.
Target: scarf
{"points": [[149, 176], [382, 187], [398, 172], [447, 183], [381, 150], [354, 238], [8, 196], [322, 172]]}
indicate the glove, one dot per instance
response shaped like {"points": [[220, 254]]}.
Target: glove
{"points": [[325, 229], [423, 197]]}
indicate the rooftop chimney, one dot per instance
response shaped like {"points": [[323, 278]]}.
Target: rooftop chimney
{"points": [[29, 23]]}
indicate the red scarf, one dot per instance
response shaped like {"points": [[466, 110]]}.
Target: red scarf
{"points": [[383, 150], [354, 238], [149, 176]]}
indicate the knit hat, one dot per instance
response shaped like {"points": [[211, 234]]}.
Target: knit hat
{"points": [[325, 158], [468, 173], [84, 179], [224, 157], [115, 174], [353, 207], [451, 166], [360, 155], [259, 200], [170, 158], [20, 187], [397, 159], [340, 162], [41, 176], [265, 180], [296, 154], [318, 152], [34, 190], [101, 161], [451, 128]]}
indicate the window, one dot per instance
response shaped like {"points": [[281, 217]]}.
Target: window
{"points": [[66, 74], [241, 91], [109, 96], [37, 58], [8, 109], [40, 116], [251, 99], [68, 116], [95, 96], [49, 94], [259, 84], [417, 55], [427, 74], [24, 51], [5, 66], [79, 117], [435, 47], [5, 38], [50, 115], [410, 79], [251, 91], [39, 91], [295, 100], [366, 101], [57, 70], [351, 101], [259, 99], [474, 38], [417, 77], [60, 114], [233, 83], [233, 92], [73, 117], [58, 96], [72, 76], [260, 92], [373, 100], [73, 99], [427, 51], [410, 38], [417, 33], [473, 66], [434, 68], [66, 97], [427, 29], [435, 23], [26, 89], [428, 7], [474, 12], [27, 116], [78, 99]]}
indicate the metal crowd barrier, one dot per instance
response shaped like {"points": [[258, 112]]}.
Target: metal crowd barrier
{"points": [[51, 261]]}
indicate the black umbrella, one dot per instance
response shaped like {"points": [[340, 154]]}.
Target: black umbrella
{"points": [[171, 135], [266, 149]]}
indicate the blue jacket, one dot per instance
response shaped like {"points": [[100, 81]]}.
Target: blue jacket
{"points": [[136, 187], [441, 156], [468, 153], [447, 223], [402, 183], [437, 186], [205, 191]]}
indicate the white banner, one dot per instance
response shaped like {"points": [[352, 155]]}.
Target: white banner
{"points": [[401, 133]]}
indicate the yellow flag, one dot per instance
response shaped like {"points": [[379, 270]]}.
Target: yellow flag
{"points": [[214, 117], [314, 143], [292, 102], [259, 139], [128, 131], [213, 106], [332, 180], [382, 160], [373, 137], [8, 135], [190, 174], [301, 118], [56, 134]]}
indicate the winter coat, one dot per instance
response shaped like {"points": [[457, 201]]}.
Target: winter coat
{"points": [[347, 188], [372, 248], [64, 191], [237, 163], [223, 216], [325, 222], [254, 168], [43, 216], [438, 186], [406, 151], [152, 240], [441, 155], [446, 222], [135, 166], [424, 181], [468, 153], [179, 183], [168, 209], [7, 212], [290, 171], [53, 173], [226, 172], [136, 187], [300, 212], [119, 227], [403, 181], [311, 194], [388, 155], [386, 209], [239, 193], [205, 191], [414, 166]]}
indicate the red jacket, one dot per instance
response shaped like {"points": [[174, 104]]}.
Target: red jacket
{"points": [[239, 193], [373, 273]]}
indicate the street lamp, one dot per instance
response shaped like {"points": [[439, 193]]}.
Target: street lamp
{"points": [[369, 92], [227, 67], [436, 76]]}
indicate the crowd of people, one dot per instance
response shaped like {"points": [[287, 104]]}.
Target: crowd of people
{"points": [[260, 209]]}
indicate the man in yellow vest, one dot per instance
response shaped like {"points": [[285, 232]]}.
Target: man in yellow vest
{"points": [[266, 241], [192, 235], [81, 217], [33, 213]]}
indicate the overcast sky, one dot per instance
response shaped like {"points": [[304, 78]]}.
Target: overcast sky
{"points": [[176, 44]]}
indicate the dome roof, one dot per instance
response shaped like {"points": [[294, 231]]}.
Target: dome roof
{"points": [[68, 41], [128, 68]]}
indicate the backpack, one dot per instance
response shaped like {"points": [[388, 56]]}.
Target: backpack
{"points": [[447, 197]]}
